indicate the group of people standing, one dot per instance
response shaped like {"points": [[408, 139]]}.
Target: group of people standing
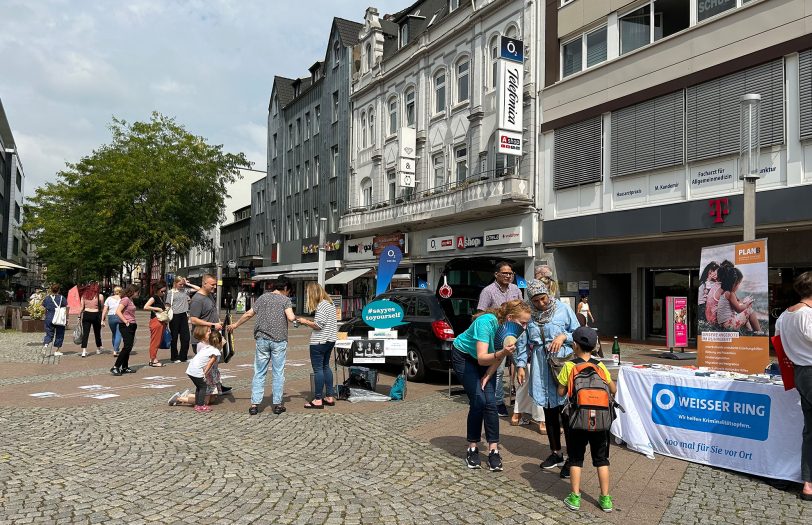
{"points": [[551, 327]]}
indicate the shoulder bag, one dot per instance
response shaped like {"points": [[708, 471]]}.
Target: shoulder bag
{"points": [[555, 363], [60, 313], [163, 315], [169, 312]]}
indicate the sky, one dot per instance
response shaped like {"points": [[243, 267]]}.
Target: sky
{"points": [[69, 66]]}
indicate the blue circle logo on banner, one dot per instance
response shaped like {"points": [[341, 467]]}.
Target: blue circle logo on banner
{"points": [[382, 314]]}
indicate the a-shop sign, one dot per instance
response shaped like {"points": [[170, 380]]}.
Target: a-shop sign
{"points": [[359, 249], [469, 242], [509, 142], [503, 236], [439, 244]]}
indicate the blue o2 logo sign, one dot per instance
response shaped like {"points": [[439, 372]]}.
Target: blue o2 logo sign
{"points": [[739, 414], [382, 314]]}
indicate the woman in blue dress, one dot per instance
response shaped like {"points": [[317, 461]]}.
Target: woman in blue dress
{"points": [[550, 330]]}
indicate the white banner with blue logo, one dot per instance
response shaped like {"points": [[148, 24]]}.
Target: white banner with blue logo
{"points": [[738, 425]]}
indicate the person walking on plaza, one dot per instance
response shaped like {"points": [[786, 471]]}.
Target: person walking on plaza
{"points": [[550, 331], [127, 326], [274, 311], [794, 326], [178, 300], [584, 310], [584, 340], [109, 317], [54, 333], [91, 302], [500, 291], [322, 340], [158, 319], [475, 358]]}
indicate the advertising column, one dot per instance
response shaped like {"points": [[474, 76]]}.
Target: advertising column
{"points": [[733, 308]]}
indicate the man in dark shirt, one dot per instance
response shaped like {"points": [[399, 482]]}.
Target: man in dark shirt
{"points": [[203, 310]]}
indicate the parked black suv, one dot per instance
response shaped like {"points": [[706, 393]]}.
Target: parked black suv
{"points": [[428, 331]]}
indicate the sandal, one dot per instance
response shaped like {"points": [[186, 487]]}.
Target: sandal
{"points": [[328, 403], [156, 364], [311, 405]]}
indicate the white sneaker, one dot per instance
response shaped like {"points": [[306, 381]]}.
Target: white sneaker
{"points": [[174, 399], [84, 353], [177, 361], [98, 351], [58, 353]]}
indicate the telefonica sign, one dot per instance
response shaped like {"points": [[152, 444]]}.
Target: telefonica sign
{"points": [[511, 78]]}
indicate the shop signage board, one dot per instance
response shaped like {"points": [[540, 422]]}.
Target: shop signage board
{"points": [[510, 91], [737, 343], [379, 242], [503, 236], [713, 177], [676, 332], [469, 242], [439, 244], [360, 249], [407, 180], [509, 142], [511, 49], [407, 140]]}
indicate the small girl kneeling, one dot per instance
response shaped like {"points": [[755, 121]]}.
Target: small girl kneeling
{"points": [[203, 370]]}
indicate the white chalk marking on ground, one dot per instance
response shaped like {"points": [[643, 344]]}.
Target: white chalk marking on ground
{"points": [[222, 376], [160, 378], [102, 396], [94, 387], [44, 394], [157, 386]]}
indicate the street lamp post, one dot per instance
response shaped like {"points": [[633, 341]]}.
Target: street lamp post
{"points": [[322, 248], [749, 165]]}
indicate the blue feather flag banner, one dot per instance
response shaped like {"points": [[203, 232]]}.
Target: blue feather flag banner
{"points": [[506, 329]]}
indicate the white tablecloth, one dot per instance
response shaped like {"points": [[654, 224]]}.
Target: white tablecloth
{"points": [[743, 426]]}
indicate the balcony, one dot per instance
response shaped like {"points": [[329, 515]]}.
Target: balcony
{"points": [[481, 195]]}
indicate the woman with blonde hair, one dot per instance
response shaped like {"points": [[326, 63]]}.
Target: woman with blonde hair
{"points": [[109, 316], [322, 340], [475, 361]]}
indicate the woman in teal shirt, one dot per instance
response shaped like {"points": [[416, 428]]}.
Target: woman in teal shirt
{"points": [[475, 361]]}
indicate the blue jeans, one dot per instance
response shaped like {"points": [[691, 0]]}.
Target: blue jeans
{"points": [[320, 359], [112, 322], [53, 333], [273, 353], [482, 403], [499, 389]]}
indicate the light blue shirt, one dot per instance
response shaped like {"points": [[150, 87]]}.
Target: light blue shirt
{"points": [[482, 329], [543, 386]]}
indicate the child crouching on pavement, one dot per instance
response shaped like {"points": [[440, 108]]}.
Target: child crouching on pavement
{"points": [[203, 371], [584, 341]]}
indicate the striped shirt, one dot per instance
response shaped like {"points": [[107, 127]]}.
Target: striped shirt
{"points": [[325, 319]]}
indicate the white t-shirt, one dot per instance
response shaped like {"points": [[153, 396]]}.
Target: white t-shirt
{"points": [[198, 362], [795, 329], [112, 304]]}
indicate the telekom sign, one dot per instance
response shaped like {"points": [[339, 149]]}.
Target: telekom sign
{"points": [[719, 208]]}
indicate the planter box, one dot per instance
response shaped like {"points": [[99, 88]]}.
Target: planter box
{"points": [[32, 325]]}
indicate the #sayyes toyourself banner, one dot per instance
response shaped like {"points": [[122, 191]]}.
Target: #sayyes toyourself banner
{"points": [[733, 308]]}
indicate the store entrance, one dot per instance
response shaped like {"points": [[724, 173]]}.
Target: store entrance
{"points": [[682, 282]]}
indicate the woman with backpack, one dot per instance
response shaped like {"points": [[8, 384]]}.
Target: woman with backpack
{"points": [[548, 333]]}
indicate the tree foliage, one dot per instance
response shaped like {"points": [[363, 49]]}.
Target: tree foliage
{"points": [[154, 190]]}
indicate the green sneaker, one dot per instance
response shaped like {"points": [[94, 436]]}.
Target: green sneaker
{"points": [[606, 503], [573, 501]]}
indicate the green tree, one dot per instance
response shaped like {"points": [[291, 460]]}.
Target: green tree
{"points": [[154, 190]]}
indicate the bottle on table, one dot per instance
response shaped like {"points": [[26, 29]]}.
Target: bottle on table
{"points": [[616, 352]]}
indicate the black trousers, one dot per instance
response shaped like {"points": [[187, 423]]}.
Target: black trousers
{"points": [[200, 390], [179, 326], [91, 319], [128, 337], [555, 422]]}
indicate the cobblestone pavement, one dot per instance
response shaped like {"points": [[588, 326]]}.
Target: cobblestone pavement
{"points": [[135, 460]]}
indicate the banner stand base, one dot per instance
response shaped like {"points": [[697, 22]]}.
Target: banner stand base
{"points": [[678, 356]]}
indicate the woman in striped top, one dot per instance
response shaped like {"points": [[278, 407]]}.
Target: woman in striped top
{"points": [[322, 340]]}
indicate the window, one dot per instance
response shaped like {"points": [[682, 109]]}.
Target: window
{"points": [[462, 80], [648, 135], [316, 223], [275, 149], [316, 171], [258, 207], [494, 52], [262, 201], [371, 127], [334, 167], [393, 116], [438, 164], [505, 164], [461, 163], [307, 174], [317, 120], [583, 52], [712, 110], [297, 226], [307, 125], [453, 5], [290, 181], [306, 224], [708, 8], [439, 92], [390, 179], [404, 33], [290, 136], [333, 216], [335, 106], [366, 192], [273, 230], [336, 52], [289, 229], [577, 154], [410, 115], [368, 52], [805, 85], [19, 181], [363, 129], [17, 212], [298, 130], [646, 24], [274, 106], [273, 188], [298, 178]]}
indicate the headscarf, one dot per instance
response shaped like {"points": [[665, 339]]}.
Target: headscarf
{"points": [[536, 287]]}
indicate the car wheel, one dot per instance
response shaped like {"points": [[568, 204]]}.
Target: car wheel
{"points": [[415, 367]]}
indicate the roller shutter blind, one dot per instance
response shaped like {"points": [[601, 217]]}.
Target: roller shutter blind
{"points": [[577, 154], [806, 93], [648, 135], [712, 110]]}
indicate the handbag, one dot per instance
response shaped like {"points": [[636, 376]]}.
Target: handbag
{"points": [[60, 313], [169, 313], [162, 316], [786, 366], [77, 333], [166, 339], [555, 362]]}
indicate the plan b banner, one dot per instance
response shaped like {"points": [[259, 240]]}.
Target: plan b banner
{"points": [[733, 309]]}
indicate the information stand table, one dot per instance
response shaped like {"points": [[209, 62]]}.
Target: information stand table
{"points": [[738, 425]]}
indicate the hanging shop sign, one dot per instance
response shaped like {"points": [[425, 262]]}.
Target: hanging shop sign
{"points": [[379, 242], [407, 141], [511, 77], [407, 180], [503, 236], [509, 142]]}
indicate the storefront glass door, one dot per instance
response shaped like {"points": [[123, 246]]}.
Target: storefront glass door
{"points": [[672, 282]]}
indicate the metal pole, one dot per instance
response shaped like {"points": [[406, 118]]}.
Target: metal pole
{"points": [[322, 248], [749, 209], [749, 162]]}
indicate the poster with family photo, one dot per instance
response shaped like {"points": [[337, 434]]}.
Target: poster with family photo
{"points": [[733, 307], [368, 351]]}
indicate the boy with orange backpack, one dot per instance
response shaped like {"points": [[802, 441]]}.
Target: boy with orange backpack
{"points": [[590, 390]]}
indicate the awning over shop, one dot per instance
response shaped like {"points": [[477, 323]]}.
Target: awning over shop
{"points": [[303, 274], [8, 265], [266, 277], [346, 276]]}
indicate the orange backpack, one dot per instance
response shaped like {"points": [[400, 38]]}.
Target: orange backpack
{"points": [[590, 403]]}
